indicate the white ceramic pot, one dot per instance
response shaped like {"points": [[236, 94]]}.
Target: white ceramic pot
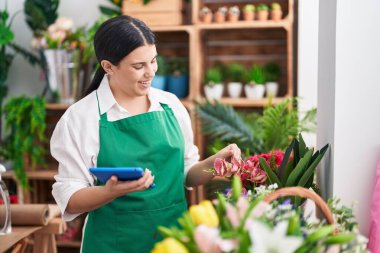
{"points": [[214, 91], [234, 89], [271, 89], [254, 91]]}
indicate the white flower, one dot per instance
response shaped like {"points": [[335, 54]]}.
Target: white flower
{"points": [[265, 240], [64, 23]]}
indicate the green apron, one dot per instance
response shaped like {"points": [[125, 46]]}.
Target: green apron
{"points": [[129, 223]]}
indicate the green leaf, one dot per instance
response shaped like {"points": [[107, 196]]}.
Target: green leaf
{"points": [[30, 57], [109, 11], [6, 35], [302, 146], [271, 175], [299, 169], [294, 225], [244, 242], [221, 121], [285, 160], [311, 169], [296, 152], [236, 188], [288, 170]]}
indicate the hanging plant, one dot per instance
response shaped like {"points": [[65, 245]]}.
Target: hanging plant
{"points": [[25, 123]]}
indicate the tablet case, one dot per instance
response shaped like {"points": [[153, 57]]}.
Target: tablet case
{"points": [[122, 173]]}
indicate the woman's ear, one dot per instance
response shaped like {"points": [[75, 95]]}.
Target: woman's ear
{"points": [[107, 66]]}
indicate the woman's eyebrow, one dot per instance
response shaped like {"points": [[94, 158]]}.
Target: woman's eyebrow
{"points": [[144, 62]]}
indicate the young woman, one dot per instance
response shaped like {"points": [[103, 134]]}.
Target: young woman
{"points": [[124, 122]]}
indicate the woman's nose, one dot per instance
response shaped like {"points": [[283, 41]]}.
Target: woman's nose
{"points": [[149, 72]]}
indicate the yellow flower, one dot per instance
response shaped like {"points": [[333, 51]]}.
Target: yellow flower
{"points": [[204, 213], [169, 245], [116, 1]]}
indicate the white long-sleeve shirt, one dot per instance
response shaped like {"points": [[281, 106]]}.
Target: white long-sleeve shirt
{"points": [[75, 140]]}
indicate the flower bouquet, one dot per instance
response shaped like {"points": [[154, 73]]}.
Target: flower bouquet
{"points": [[256, 222], [294, 167]]}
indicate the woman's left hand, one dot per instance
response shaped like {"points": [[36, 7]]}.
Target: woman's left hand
{"points": [[229, 152]]}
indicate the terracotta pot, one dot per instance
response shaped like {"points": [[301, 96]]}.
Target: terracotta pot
{"points": [[233, 17], [219, 17], [262, 15], [276, 15], [206, 18], [249, 15]]}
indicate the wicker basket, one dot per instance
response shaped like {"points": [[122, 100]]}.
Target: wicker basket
{"points": [[304, 193]]}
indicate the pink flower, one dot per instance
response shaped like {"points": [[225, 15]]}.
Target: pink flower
{"points": [[208, 240], [258, 176], [235, 215], [227, 169]]}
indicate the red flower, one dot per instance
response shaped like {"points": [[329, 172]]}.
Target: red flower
{"points": [[13, 199]]}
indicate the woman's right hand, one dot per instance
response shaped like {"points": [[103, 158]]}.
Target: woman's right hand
{"points": [[120, 188]]}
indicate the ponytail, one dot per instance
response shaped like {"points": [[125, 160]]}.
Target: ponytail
{"points": [[99, 75]]}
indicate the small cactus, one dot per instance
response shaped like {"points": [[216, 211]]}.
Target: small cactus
{"points": [[249, 7], [275, 6]]}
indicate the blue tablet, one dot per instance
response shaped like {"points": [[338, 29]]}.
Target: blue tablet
{"points": [[122, 173]]}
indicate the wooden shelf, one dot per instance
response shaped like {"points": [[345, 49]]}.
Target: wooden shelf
{"points": [[34, 175], [52, 106], [69, 244], [245, 24], [245, 102], [177, 28]]}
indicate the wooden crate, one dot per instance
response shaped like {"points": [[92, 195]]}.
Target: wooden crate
{"points": [[156, 12]]}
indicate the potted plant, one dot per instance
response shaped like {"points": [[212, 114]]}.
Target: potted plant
{"points": [[220, 14], [233, 13], [255, 88], [213, 84], [262, 12], [159, 80], [249, 12], [276, 12], [178, 79], [272, 75], [8, 50], [205, 15], [236, 74], [25, 144]]}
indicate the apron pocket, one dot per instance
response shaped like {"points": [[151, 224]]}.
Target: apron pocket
{"points": [[137, 231]]}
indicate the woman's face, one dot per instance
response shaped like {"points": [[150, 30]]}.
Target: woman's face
{"points": [[135, 72]]}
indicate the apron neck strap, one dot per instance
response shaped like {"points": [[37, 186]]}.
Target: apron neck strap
{"points": [[166, 108], [103, 117]]}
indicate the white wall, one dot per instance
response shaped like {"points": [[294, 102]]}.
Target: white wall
{"points": [[307, 72], [25, 79], [348, 99]]}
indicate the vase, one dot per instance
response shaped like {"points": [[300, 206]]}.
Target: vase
{"points": [[255, 91], [234, 89], [5, 207], [271, 89], [63, 73], [178, 85], [214, 91], [159, 82]]}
